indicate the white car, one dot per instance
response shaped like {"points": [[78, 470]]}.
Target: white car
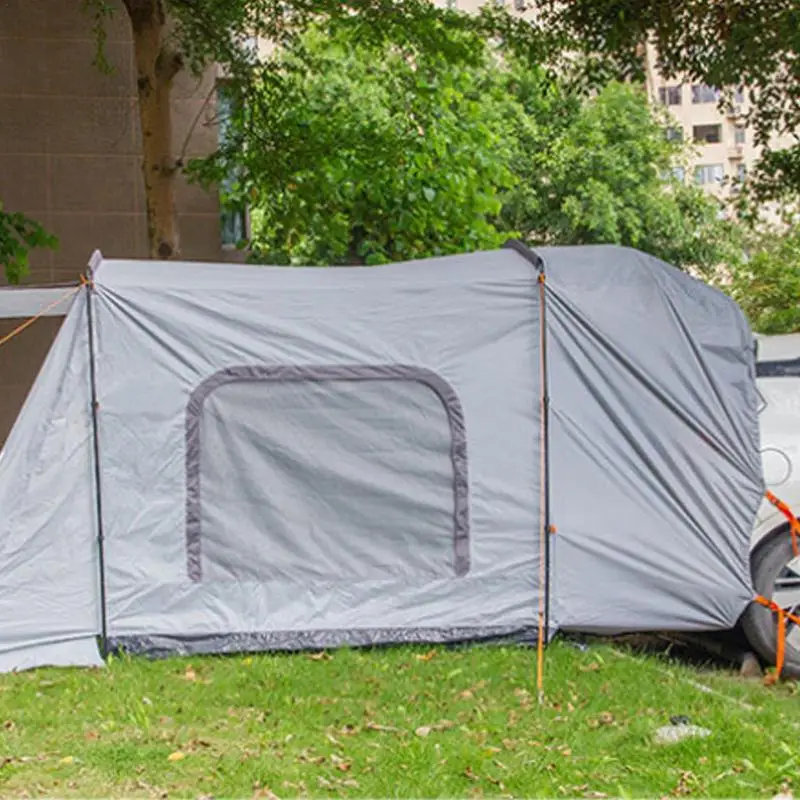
{"points": [[775, 568]]}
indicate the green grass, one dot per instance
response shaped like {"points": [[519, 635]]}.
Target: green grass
{"points": [[397, 722]]}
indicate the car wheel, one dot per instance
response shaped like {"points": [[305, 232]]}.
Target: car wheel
{"points": [[776, 576]]}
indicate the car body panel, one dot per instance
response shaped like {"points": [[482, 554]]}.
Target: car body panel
{"points": [[778, 377]]}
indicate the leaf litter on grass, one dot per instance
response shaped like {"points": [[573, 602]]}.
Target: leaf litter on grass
{"points": [[593, 737]]}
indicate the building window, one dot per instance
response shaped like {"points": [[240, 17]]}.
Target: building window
{"points": [[452, 3], [520, 5], [710, 134], [679, 173], [705, 174], [738, 95], [233, 221], [670, 95], [741, 172], [704, 94], [674, 133], [739, 135]]}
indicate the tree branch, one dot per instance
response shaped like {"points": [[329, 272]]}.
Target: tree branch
{"points": [[169, 63], [181, 160], [145, 12]]}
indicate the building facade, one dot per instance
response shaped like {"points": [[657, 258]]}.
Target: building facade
{"points": [[723, 149], [70, 158], [70, 153]]}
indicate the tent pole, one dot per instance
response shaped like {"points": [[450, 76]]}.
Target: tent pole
{"points": [[98, 496], [549, 530], [544, 488]]}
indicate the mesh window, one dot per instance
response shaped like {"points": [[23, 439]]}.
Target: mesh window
{"points": [[325, 477]]}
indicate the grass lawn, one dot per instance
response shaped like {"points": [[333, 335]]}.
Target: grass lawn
{"points": [[397, 722]]}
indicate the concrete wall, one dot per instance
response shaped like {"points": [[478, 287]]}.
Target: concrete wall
{"points": [[70, 157]]}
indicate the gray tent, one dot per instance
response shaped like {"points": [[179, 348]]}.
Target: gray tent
{"points": [[290, 458]]}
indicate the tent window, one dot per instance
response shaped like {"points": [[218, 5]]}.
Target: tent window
{"points": [[328, 472]]}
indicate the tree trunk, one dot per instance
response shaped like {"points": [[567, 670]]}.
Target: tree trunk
{"points": [[156, 66]]}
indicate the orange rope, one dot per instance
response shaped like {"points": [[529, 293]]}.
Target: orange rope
{"points": [[783, 615], [794, 524], [28, 322], [542, 498]]}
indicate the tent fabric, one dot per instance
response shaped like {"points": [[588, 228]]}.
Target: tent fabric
{"points": [[305, 458], [48, 560], [21, 302], [370, 424], [654, 447]]}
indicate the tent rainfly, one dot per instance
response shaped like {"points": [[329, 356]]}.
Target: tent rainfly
{"points": [[221, 458]]}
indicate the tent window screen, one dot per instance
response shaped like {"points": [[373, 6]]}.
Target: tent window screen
{"points": [[332, 472]]}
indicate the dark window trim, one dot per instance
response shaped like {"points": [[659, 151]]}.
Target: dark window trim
{"points": [[785, 368], [388, 372], [710, 133], [671, 95]]}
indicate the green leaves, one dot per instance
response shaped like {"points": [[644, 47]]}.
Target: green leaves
{"points": [[352, 151], [591, 172], [750, 43], [18, 236], [767, 283]]}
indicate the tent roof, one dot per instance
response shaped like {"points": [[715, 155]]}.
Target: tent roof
{"points": [[200, 275], [23, 302], [506, 262]]}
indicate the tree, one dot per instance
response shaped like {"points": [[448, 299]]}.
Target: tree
{"points": [[170, 35], [365, 152], [18, 235], [357, 152], [728, 44], [599, 169], [766, 284]]}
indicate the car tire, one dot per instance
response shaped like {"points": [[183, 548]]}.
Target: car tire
{"points": [[769, 563]]}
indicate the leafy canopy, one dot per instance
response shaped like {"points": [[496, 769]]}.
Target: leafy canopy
{"points": [[599, 169], [18, 236], [750, 43], [207, 32], [766, 284], [365, 153], [361, 152]]}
